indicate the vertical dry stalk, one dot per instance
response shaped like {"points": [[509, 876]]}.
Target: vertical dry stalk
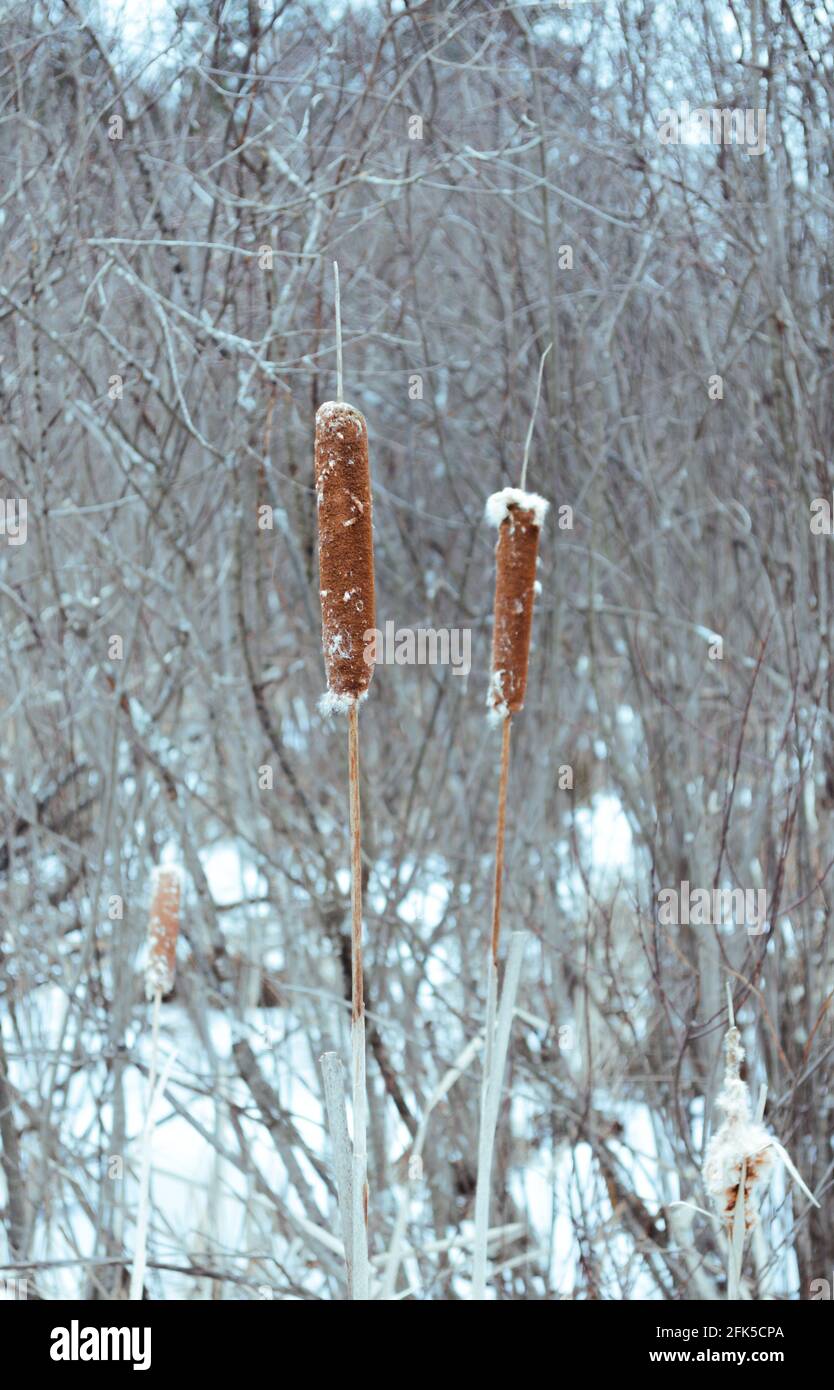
{"points": [[348, 610], [334, 1100], [163, 932], [518, 516], [496, 1045]]}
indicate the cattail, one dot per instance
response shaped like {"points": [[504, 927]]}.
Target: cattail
{"points": [[740, 1146], [518, 517], [348, 611], [346, 551], [163, 930], [741, 1156]]}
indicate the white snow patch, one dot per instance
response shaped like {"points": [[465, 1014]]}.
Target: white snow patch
{"points": [[231, 877], [328, 409], [499, 504], [332, 702], [608, 832], [497, 708]]}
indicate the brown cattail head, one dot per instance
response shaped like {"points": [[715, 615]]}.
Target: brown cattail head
{"points": [[346, 552], [163, 930], [518, 516]]}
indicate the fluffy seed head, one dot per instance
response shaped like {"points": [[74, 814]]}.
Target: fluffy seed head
{"points": [[163, 930], [346, 551], [518, 516], [740, 1144]]}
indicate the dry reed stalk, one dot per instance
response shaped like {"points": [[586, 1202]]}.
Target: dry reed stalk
{"points": [[496, 1046], [334, 1100], [160, 969], [518, 515], [348, 611]]}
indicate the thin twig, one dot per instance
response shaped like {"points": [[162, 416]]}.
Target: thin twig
{"points": [[339, 383], [533, 417]]}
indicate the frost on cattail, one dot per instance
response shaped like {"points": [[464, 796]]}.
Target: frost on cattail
{"points": [[740, 1144], [518, 516], [346, 551], [163, 930]]}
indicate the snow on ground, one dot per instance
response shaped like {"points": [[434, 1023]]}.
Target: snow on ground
{"points": [[196, 1194]]}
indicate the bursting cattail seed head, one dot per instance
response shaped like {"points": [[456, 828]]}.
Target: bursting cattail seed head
{"points": [[518, 517], [163, 930], [741, 1144], [346, 551]]}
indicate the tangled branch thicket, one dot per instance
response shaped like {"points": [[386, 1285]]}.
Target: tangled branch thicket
{"points": [[491, 180]]}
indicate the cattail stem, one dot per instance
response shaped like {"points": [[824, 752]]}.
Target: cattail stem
{"points": [[500, 836], [360, 1289], [493, 1064], [357, 996], [137, 1277]]}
